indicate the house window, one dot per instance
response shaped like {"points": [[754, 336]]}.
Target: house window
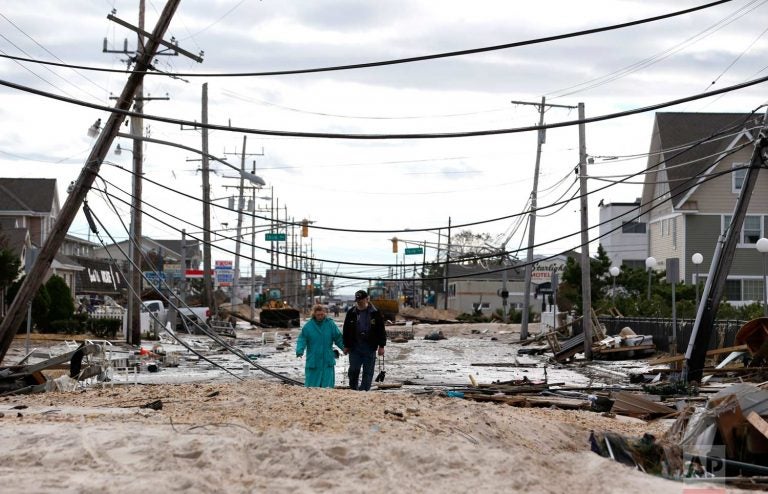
{"points": [[633, 227], [738, 175], [732, 290], [751, 231], [753, 289], [634, 264]]}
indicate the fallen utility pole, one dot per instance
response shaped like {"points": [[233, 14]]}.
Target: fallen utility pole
{"points": [[35, 277], [721, 264]]}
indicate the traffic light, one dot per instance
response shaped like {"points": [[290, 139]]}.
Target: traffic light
{"points": [[305, 228], [394, 245]]}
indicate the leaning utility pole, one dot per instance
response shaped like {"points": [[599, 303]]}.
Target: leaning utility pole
{"points": [[541, 138], [721, 263], [37, 274]]}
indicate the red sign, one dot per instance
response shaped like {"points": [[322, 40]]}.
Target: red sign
{"points": [[195, 273]]}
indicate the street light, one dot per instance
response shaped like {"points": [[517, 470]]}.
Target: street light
{"points": [[762, 247], [94, 129], [650, 263], [697, 259], [614, 273]]}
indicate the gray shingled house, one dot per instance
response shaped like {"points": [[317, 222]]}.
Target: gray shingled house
{"points": [[696, 168]]}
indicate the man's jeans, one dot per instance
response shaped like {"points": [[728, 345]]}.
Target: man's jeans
{"points": [[361, 356]]}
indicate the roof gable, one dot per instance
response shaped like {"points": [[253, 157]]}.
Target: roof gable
{"points": [[687, 145], [35, 195]]}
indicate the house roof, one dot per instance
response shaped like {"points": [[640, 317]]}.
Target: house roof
{"points": [[475, 272], [175, 245], [36, 195], [678, 133]]}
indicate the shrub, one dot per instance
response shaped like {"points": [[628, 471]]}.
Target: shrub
{"points": [[66, 326], [62, 306]]}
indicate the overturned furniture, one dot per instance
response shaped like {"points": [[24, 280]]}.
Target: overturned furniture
{"points": [[86, 361], [626, 344]]}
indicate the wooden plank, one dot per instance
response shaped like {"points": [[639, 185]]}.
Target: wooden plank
{"points": [[624, 348], [729, 349], [710, 353], [667, 360], [546, 401], [712, 370], [509, 400], [758, 423]]}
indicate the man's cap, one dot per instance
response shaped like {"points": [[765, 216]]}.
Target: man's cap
{"points": [[361, 294]]}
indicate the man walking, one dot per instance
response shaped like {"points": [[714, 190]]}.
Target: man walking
{"points": [[364, 337]]}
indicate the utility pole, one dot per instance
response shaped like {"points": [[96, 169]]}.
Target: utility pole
{"points": [[183, 290], [236, 276], [721, 264], [38, 272], [207, 281], [137, 129], [135, 241], [540, 139], [240, 205], [586, 281], [447, 265]]}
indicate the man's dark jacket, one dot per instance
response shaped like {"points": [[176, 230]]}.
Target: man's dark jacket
{"points": [[376, 336]]}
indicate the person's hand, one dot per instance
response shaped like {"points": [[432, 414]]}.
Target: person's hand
{"points": [[381, 351], [346, 351]]}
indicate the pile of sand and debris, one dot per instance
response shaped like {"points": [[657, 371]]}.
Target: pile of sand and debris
{"points": [[258, 436], [429, 314]]}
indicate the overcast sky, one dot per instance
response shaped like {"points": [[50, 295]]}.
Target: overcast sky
{"points": [[372, 184]]}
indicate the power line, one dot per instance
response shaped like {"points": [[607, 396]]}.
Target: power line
{"points": [[456, 53], [329, 135]]}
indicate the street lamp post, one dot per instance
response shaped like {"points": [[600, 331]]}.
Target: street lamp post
{"points": [[697, 259], [614, 273], [762, 247], [650, 263]]}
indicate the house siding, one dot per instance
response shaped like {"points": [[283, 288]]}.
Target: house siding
{"points": [[669, 245], [618, 245], [702, 232], [716, 195]]}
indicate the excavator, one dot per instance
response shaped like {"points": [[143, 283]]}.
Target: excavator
{"points": [[382, 300], [277, 313]]}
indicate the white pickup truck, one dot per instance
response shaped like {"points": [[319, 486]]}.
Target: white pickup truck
{"points": [[156, 307]]}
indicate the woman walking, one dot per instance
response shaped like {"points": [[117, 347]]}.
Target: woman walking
{"points": [[317, 337]]}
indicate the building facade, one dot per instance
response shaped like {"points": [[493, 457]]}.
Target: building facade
{"points": [[696, 170]]}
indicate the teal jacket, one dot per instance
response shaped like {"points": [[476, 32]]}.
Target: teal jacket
{"points": [[317, 340]]}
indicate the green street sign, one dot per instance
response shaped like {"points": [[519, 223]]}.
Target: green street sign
{"points": [[413, 250], [280, 237]]}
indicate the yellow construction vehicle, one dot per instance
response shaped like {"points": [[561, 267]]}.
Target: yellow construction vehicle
{"points": [[277, 313], [381, 298]]}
